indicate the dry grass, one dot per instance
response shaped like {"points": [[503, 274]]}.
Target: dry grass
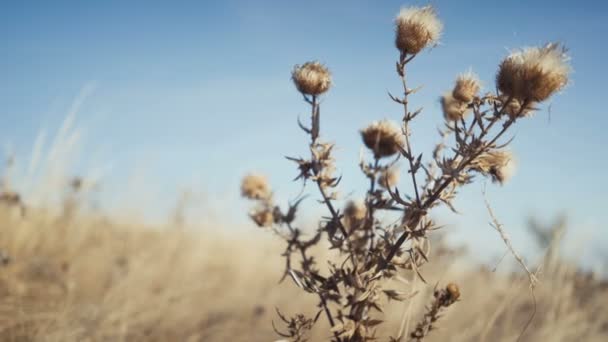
{"points": [[86, 278]]}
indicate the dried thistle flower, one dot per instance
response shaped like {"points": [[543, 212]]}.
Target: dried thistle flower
{"points": [[389, 178], [453, 291], [416, 28], [355, 213], [498, 164], [311, 78], [513, 108], [534, 74], [453, 109], [384, 138], [263, 217], [466, 88], [255, 186]]}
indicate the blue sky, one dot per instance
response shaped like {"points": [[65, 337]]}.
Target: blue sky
{"points": [[195, 93]]}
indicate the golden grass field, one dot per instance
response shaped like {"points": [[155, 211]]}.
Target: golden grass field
{"points": [[85, 277]]}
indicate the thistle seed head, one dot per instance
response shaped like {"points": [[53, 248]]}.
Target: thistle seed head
{"points": [[416, 28], [255, 186], [453, 109], [466, 88], [534, 74], [311, 78], [355, 213], [263, 217], [500, 165], [383, 137], [389, 178]]}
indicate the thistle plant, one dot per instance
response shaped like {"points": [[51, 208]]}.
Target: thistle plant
{"points": [[354, 288]]}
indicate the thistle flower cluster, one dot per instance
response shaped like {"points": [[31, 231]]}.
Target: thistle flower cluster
{"points": [[455, 104], [371, 253]]}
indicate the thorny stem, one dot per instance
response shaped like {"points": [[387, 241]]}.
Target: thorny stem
{"points": [[465, 163], [393, 251], [332, 211], [370, 208], [443, 299], [427, 204], [314, 135], [470, 130], [306, 268], [403, 61], [457, 138], [324, 305]]}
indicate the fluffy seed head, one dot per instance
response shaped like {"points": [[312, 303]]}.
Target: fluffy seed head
{"points": [[534, 74], [389, 178], [500, 165], [382, 137], [355, 213], [311, 78], [255, 186], [416, 28], [263, 217], [453, 109], [466, 88]]}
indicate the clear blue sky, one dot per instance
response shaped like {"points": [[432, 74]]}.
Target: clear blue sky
{"points": [[195, 92]]}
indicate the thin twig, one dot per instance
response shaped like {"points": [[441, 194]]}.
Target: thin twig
{"points": [[407, 119], [507, 240], [531, 277]]}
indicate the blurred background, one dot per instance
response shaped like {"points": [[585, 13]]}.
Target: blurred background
{"points": [[192, 95]]}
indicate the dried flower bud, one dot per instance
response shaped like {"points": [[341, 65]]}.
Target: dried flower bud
{"points": [[255, 186], [389, 178], [466, 88], [311, 78], [514, 110], [534, 74], [500, 165], [355, 213], [262, 217], [453, 109], [416, 28], [453, 290], [382, 137]]}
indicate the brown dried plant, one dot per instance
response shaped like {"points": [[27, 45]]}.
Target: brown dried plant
{"points": [[354, 289]]}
